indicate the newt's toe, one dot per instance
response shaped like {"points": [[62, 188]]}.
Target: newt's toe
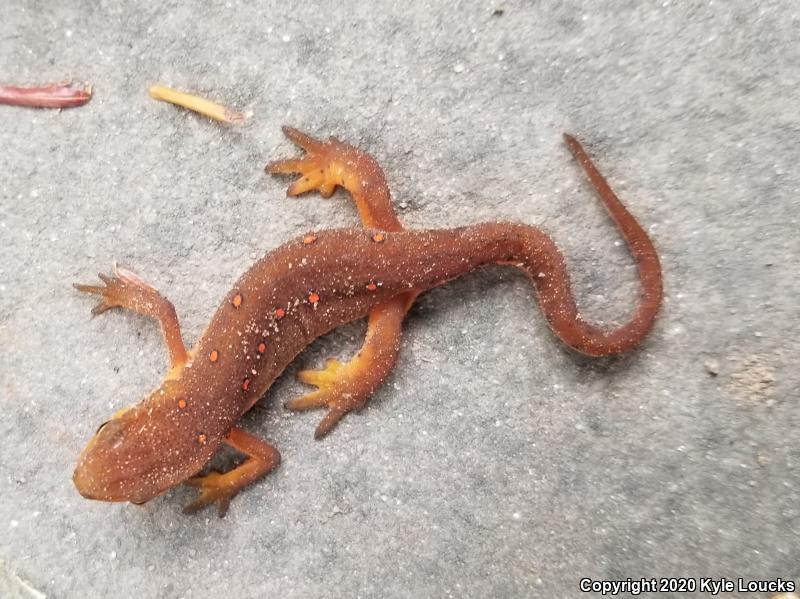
{"points": [[330, 420], [314, 179], [326, 377], [287, 166], [310, 401], [305, 141]]}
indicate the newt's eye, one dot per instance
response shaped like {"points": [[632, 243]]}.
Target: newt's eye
{"points": [[99, 428]]}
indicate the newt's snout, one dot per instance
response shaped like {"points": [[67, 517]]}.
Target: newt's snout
{"points": [[98, 474], [115, 466], [87, 484]]}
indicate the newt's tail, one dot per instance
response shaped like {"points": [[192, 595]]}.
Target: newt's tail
{"points": [[545, 266], [531, 250]]}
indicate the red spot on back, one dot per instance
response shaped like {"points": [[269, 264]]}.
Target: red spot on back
{"points": [[280, 313], [378, 237], [262, 347], [309, 239], [372, 286], [245, 384], [181, 403], [214, 355], [201, 438], [237, 300], [313, 297]]}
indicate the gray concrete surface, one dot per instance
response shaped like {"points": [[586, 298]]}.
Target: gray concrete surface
{"points": [[494, 463]]}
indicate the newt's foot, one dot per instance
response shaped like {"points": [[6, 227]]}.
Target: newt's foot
{"points": [[323, 167], [123, 289], [338, 390], [215, 487]]}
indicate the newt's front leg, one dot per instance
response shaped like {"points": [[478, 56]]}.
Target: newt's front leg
{"points": [[125, 289], [220, 488]]}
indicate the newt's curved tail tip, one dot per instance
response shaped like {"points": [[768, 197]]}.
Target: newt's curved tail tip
{"points": [[573, 144]]}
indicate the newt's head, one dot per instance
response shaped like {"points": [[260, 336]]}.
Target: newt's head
{"points": [[142, 451]]}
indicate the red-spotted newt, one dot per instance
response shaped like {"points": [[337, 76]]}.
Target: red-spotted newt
{"points": [[299, 292]]}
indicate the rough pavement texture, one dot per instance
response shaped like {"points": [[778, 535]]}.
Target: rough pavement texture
{"points": [[494, 462]]}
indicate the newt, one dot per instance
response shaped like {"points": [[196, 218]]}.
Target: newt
{"points": [[304, 289]]}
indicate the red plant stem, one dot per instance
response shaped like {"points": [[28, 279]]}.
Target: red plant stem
{"points": [[54, 95]]}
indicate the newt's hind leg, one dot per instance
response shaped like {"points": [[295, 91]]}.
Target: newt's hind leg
{"points": [[125, 289], [345, 387], [220, 488], [327, 164]]}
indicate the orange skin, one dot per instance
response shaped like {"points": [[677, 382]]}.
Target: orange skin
{"points": [[301, 291]]}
